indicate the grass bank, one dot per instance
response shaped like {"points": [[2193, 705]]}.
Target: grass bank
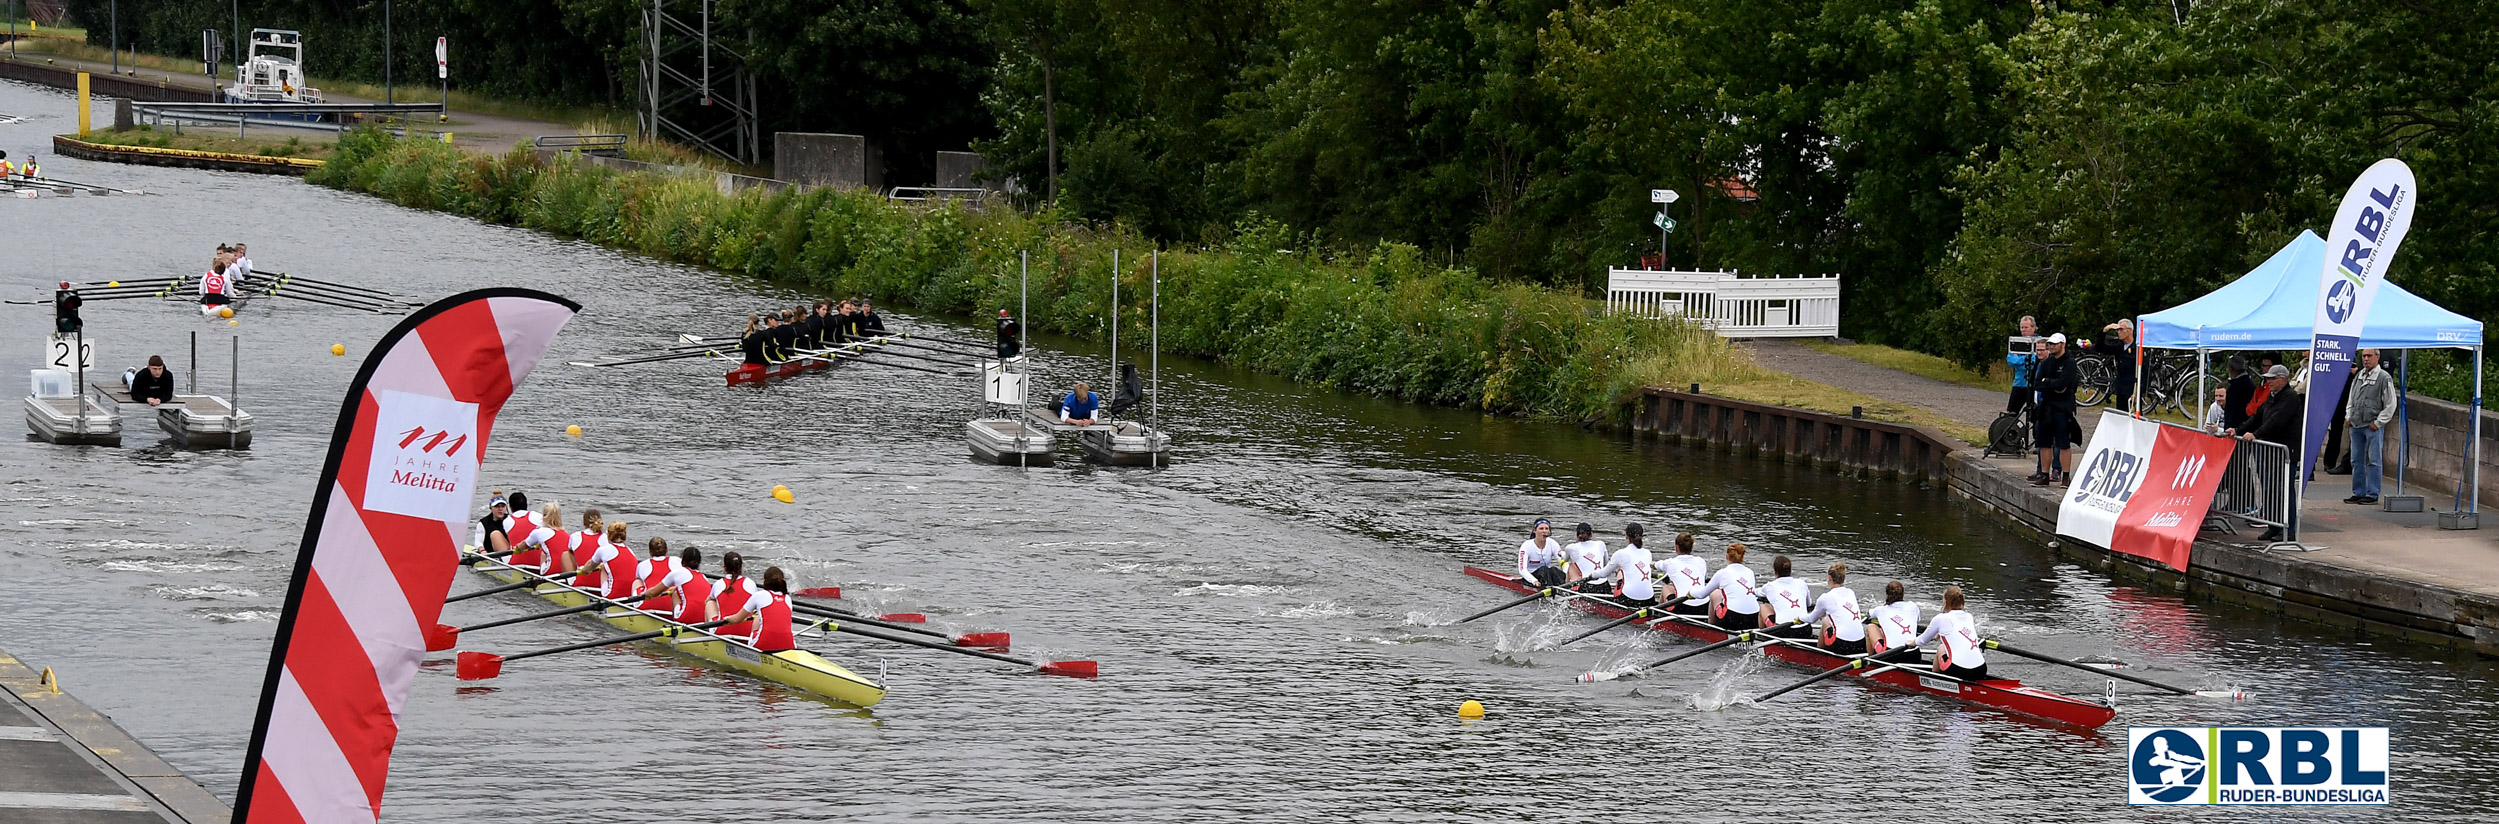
{"points": [[210, 139], [1388, 322]]}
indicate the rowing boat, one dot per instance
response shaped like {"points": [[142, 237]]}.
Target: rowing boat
{"points": [[797, 669], [2001, 694], [785, 369]]}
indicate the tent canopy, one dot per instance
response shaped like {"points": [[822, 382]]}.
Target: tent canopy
{"points": [[2274, 306]]}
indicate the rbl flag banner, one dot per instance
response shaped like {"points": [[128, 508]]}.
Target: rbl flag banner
{"points": [[2144, 488], [380, 550], [2375, 215]]}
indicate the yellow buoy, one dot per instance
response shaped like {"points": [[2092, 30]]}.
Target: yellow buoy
{"points": [[337, 349], [234, 323], [226, 312], [573, 430], [112, 283], [782, 494], [1471, 709]]}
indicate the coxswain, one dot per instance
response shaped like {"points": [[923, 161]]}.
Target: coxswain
{"points": [[585, 543], [765, 619], [1734, 603], [1789, 600], [1540, 557], [1895, 627], [559, 545], [659, 576], [1010, 335], [490, 537], [215, 290], [1958, 656], [153, 385], [693, 594], [1582, 558], [1632, 570], [868, 320], [1687, 573], [1839, 622]]}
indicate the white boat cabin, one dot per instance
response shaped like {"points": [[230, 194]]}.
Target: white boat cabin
{"points": [[272, 70]]}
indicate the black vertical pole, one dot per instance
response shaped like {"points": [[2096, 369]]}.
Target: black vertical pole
{"points": [[388, 94]]}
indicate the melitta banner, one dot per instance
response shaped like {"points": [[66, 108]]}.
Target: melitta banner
{"points": [[2143, 488], [2375, 215], [380, 549]]}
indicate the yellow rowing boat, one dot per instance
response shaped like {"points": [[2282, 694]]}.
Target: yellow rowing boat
{"points": [[797, 669]]}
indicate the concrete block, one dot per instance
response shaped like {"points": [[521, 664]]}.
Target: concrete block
{"points": [[843, 160]]}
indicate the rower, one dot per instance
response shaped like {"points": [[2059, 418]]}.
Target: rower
{"points": [[558, 545], [1010, 335], [611, 567], [240, 269], [854, 327], [1895, 626], [532, 549], [820, 324], [659, 576], [1688, 574], [216, 292], [1733, 602], [1582, 558], [1632, 569], [1959, 656], [731, 591], [784, 337], [593, 532], [868, 320], [490, 537], [1840, 624], [521, 521], [765, 619], [1539, 557], [693, 594], [1789, 600], [751, 346]]}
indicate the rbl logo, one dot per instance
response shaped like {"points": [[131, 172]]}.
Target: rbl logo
{"points": [[2111, 475], [2257, 765], [2340, 300], [414, 433]]}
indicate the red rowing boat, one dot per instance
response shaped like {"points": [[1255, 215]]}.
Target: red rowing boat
{"points": [[2002, 694], [788, 368]]}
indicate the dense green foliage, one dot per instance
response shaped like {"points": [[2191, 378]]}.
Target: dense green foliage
{"points": [[1388, 321], [1960, 162]]}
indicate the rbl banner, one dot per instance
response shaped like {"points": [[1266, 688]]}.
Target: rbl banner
{"points": [[2143, 488]]}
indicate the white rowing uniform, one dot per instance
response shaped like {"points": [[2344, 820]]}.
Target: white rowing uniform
{"points": [[1584, 557], [1839, 607], [1736, 582], [1633, 564], [239, 268], [1533, 556], [1959, 632], [1899, 621], [1789, 599], [1689, 574]]}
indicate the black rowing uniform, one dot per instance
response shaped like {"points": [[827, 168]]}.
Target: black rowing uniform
{"points": [[752, 346], [784, 340], [810, 332], [870, 322]]}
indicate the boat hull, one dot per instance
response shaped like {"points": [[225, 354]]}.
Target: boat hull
{"points": [[205, 422], [1008, 443], [797, 669], [57, 420], [784, 369], [2006, 695]]}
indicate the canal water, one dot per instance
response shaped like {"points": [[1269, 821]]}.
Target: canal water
{"points": [[1273, 613]]}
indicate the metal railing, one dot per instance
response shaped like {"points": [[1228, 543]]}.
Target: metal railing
{"points": [[603, 145], [1736, 307], [2257, 485]]}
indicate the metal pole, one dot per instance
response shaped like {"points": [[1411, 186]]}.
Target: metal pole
{"points": [[78, 352], [113, 10], [1154, 396], [194, 380], [238, 40], [1023, 340], [707, 53], [1114, 384], [389, 95], [2473, 432], [234, 385], [2403, 414], [2203, 396]]}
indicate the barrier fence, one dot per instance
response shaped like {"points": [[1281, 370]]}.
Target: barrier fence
{"points": [[2257, 485], [1736, 307]]}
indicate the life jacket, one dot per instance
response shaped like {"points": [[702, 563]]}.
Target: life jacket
{"points": [[663, 602], [698, 594], [773, 628]]}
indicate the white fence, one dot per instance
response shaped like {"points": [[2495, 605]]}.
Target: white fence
{"points": [[1737, 307]]}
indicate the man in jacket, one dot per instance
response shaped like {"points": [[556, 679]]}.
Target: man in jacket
{"points": [[2055, 377], [2241, 392], [2121, 350], [153, 385], [2368, 411], [2280, 421]]}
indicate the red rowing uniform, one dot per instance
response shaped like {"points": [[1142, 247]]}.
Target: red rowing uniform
{"points": [[654, 576], [557, 546], [517, 528], [619, 572], [733, 594], [584, 550], [772, 632], [698, 599]]}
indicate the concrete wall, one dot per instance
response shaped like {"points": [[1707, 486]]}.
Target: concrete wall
{"points": [[1913, 452], [2438, 447], [845, 160]]}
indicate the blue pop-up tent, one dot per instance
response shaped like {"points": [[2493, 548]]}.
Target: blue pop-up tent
{"points": [[2274, 306]]}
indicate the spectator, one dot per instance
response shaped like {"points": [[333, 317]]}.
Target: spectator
{"points": [[2242, 390], [2216, 414], [2018, 355], [2370, 409], [2264, 364], [2278, 421], [154, 385], [2121, 349], [1080, 406], [2054, 376]]}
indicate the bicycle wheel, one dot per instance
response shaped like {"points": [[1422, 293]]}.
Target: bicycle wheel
{"points": [[2094, 387]]}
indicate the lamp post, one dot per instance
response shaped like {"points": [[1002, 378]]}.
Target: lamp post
{"points": [[1665, 225]]}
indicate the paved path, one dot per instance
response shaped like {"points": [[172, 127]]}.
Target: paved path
{"points": [[63, 763], [1966, 404]]}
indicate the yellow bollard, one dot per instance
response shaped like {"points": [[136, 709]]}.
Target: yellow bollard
{"points": [[446, 138], [83, 114], [51, 682]]}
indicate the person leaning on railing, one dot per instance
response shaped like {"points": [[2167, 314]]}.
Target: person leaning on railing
{"points": [[2369, 409], [2278, 421]]}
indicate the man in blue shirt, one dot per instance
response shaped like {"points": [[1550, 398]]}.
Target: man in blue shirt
{"points": [[1080, 406]]}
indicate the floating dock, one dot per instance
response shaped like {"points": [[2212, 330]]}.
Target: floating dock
{"points": [[61, 761], [77, 420]]}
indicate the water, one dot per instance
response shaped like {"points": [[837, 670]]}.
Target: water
{"points": [[1271, 613]]}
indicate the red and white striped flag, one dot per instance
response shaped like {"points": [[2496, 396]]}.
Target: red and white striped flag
{"points": [[380, 550]]}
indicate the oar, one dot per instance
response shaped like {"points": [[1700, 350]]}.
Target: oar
{"points": [[1071, 669], [1541, 593], [819, 592], [1853, 664], [650, 359], [479, 666], [984, 640], [1635, 615], [835, 356], [343, 287], [2001, 646], [1732, 640], [489, 591], [446, 636]]}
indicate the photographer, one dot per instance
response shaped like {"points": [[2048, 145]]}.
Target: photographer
{"points": [[2121, 350]]}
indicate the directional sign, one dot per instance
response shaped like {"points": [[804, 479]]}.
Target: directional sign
{"points": [[1662, 222], [1662, 196]]}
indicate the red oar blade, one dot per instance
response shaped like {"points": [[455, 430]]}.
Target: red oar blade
{"points": [[479, 666], [441, 637], [1071, 669], [819, 592], [983, 640], [904, 617]]}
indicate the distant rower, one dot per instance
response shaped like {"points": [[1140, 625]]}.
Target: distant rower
{"points": [[1895, 624], [1839, 622], [765, 619], [1539, 557], [1584, 557], [1959, 656], [1733, 602], [1632, 570], [1789, 600], [1688, 574]]}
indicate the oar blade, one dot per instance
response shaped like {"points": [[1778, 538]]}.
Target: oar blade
{"points": [[983, 640], [479, 666], [904, 617], [441, 637], [819, 592], [1071, 669]]}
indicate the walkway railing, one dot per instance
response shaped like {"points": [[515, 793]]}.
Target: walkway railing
{"points": [[1737, 307], [2256, 485]]}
